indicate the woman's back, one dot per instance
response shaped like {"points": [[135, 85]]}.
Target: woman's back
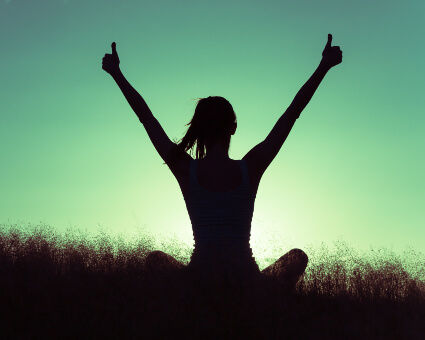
{"points": [[220, 202], [213, 175], [219, 177]]}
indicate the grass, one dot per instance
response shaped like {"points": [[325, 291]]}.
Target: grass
{"points": [[74, 287]]}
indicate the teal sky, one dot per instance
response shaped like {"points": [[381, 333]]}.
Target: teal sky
{"points": [[73, 153]]}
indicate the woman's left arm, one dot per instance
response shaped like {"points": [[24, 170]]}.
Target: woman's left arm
{"points": [[156, 133]]}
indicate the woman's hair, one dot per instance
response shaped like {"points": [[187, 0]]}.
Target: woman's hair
{"points": [[213, 119]]}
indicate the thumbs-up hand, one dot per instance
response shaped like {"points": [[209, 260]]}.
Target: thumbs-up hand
{"points": [[111, 62], [331, 55]]}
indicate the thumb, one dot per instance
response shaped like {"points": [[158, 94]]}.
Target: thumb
{"points": [[114, 49], [328, 44]]}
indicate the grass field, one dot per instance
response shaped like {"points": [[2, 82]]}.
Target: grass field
{"points": [[74, 287]]}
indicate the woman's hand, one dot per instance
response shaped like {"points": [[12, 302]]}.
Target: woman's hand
{"points": [[111, 62], [331, 55]]}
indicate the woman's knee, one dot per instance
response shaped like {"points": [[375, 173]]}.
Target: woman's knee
{"points": [[161, 260], [155, 255], [299, 256], [295, 261]]}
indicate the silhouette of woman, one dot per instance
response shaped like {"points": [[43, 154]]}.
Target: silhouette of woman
{"points": [[220, 192]]}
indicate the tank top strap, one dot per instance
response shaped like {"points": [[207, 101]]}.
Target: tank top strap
{"points": [[244, 170]]}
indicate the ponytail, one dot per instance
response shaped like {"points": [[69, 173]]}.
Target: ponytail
{"points": [[211, 120]]}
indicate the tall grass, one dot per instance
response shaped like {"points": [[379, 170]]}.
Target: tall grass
{"points": [[73, 286]]}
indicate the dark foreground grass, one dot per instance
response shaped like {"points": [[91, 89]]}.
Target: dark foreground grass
{"points": [[70, 287]]}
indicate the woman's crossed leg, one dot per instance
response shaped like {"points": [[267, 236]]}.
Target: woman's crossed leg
{"points": [[288, 269], [160, 263]]}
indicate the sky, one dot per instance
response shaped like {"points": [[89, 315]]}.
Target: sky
{"points": [[73, 153]]}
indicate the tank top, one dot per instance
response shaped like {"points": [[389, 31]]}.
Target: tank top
{"points": [[221, 223]]}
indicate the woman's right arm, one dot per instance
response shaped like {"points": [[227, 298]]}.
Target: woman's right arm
{"points": [[263, 154], [307, 91], [331, 57]]}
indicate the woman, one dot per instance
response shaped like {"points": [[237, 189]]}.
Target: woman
{"points": [[220, 192]]}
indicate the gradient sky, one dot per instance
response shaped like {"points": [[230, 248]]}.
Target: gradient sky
{"points": [[73, 153]]}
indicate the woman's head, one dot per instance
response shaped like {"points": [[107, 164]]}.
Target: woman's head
{"points": [[214, 120]]}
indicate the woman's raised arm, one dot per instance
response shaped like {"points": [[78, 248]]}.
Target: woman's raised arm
{"points": [[110, 63], [263, 154], [156, 133], [331, 56]]}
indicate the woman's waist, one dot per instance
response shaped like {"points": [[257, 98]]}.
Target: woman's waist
{"points": [[222, 243], [222, 233]]}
